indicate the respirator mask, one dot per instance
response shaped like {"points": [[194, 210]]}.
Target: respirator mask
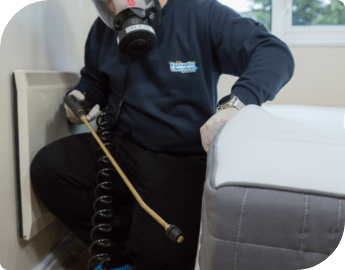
{"points": [[134, 21]]}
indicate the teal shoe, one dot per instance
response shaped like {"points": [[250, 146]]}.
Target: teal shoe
{"points": [[126, 267]]}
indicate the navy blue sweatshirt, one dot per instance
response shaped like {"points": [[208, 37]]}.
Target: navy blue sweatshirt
{"points": [[169, 93]]}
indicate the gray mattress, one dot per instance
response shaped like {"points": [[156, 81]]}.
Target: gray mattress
{"points": [[275, 192]]}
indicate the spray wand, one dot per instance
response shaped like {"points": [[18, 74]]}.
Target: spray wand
{"points": [[77, 107]]}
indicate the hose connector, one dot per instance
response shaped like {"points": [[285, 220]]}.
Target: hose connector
{"points": [[175, 234]]}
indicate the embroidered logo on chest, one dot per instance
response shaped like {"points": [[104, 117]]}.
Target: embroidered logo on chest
{"points": [[187, 67]]}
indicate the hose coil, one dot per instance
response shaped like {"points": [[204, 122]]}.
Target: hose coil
{"points": [[103, 218]]}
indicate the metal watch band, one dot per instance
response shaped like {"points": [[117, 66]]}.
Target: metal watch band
{"points": [[233, 103]]}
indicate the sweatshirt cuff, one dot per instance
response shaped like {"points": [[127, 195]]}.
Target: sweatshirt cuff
{"points": [[246, 96]]}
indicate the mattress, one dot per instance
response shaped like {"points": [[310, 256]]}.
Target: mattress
{"points": [[274, 194]]}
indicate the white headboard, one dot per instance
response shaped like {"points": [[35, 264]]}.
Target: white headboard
{"points": [[40, 119]]}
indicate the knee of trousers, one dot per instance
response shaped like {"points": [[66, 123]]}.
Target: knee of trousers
{"points": [[43, 169]]}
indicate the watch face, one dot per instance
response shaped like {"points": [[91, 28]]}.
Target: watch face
{"points": [[224, 100]]}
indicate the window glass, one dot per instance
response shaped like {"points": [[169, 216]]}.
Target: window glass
{"points": [[258, 10], [318, 12]]}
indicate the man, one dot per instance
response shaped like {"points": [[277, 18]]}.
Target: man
{"points": [[160, 103]]}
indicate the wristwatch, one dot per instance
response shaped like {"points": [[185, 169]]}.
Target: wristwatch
{"points": [[234, 102]]}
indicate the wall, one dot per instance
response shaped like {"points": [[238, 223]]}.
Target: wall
{"points": [[319, 78], [44, 35]]}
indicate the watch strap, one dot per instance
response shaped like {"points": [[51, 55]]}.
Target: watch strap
{"points": [[234, 102]]}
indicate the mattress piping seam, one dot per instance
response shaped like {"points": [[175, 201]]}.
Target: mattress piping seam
{"points": [[239, 227], [301, 191], [303, 231]]}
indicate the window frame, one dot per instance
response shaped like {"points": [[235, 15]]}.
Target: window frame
{"points": [[303, 35]]}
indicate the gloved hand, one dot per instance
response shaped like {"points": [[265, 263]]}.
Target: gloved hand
{"points": [[93, 114], [210, 129]]}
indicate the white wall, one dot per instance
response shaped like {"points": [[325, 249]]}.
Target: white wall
{"points": [[319, 78], [45, 35]]}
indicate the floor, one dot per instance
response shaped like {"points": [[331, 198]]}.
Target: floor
{"points": [[80, 263]]}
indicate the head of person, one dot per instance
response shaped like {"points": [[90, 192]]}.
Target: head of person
{"points": [[134, 21]]}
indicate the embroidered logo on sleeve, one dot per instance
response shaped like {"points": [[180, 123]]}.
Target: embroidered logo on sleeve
{"points": [[187, 67]]}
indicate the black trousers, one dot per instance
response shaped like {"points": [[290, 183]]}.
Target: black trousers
{"points": [[63, 175]]}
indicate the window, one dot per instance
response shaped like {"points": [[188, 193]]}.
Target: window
{"points": [[316, 12], [259, 10], [298, 22]]}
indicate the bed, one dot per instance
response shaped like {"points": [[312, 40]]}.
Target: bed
{"points": [[274, 194]]}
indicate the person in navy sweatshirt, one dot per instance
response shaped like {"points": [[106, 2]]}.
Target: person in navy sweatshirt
{"points": [[163, 110]]}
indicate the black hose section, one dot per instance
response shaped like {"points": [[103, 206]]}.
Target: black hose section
{"points": [[103, 212], [101, 220], [117, 115], [118, 112]]}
